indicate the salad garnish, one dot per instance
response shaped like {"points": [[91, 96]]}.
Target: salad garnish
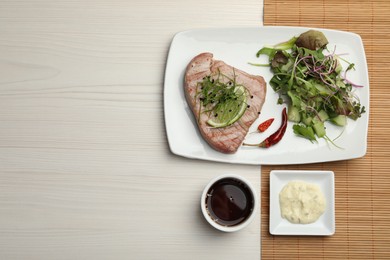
{"points": [[310, 80]]}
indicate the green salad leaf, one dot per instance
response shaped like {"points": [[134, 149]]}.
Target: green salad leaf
{"points": [[312, 40]]}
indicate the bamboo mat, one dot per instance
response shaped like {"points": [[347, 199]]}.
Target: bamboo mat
{"points": [[362, 185]]}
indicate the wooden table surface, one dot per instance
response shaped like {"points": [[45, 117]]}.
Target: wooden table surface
{"points": [[85, 168]]}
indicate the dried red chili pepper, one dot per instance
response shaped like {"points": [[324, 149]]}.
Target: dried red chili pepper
{"points": [[264, 126], [275, 137]]}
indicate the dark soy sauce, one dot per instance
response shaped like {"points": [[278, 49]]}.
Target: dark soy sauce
{"points": [[229, 202]]}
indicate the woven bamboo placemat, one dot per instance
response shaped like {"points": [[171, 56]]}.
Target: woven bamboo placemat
{"points": [[362, 185]]}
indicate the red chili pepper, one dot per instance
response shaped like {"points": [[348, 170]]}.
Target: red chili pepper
{"points": [[264, 126], [275, 137]]}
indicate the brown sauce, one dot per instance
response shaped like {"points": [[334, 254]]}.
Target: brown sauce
{"points": [[229, 202]]}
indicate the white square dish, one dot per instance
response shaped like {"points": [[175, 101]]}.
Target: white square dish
{"points": [[237, 47], [324, 226]]}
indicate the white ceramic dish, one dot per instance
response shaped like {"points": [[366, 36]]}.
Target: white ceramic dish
{"points": [[237, 47], [227, 228], [324, 226]]}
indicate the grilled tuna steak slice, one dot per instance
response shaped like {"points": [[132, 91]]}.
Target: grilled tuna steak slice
{"points": [[225, 139]]}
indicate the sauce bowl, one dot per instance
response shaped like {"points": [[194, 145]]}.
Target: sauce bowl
{"points": [[229, 202]]}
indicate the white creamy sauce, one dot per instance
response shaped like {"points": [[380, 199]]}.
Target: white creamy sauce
{"points": [[301, 202]]}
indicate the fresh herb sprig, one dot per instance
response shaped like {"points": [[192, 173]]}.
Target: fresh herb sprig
{"points": [[219, 97]]}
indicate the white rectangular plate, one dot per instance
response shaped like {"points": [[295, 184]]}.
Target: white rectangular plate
{"points": [[324, 226], [237, 47]]}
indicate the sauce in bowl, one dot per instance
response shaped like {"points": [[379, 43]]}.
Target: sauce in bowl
{"points": [[229, 202], [301, 202]]}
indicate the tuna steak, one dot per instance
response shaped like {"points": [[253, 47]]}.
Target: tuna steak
{"points": [[225, 139]]}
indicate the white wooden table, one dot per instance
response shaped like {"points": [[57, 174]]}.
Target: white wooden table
{"points": [[85, 168]]}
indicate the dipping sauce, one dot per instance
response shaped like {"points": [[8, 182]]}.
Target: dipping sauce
{"points": [[229, 202], [301, 202]]}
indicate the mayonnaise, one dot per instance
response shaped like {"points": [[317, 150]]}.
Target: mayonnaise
{"points": [[301, 202]]}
